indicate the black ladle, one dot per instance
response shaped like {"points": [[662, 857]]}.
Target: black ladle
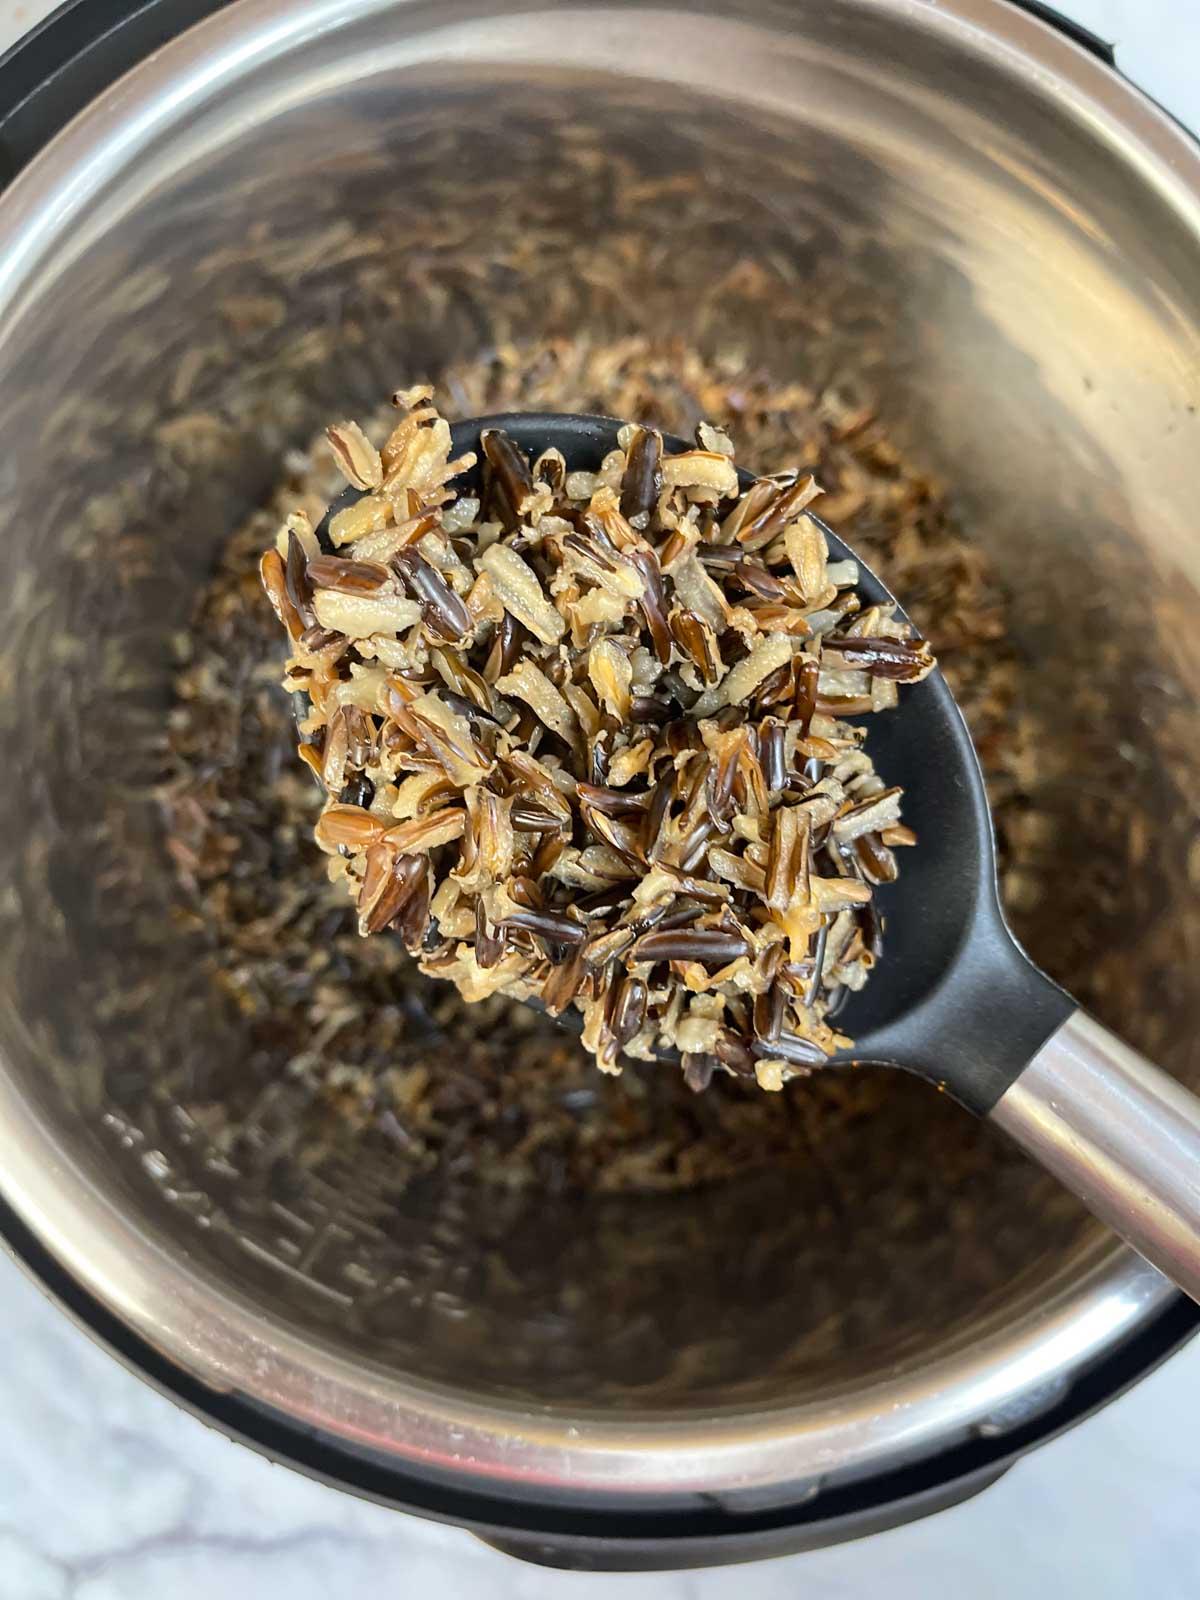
{"points": [[956, 1000]]}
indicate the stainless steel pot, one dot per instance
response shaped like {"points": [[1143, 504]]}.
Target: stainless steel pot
{"points": [[1032, 224]]}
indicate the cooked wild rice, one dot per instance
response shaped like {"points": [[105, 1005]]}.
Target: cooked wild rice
{"points": [[351, 1039], [583, 741]]}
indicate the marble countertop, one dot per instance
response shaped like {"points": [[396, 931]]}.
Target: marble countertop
{"points": [[108, 1492]]}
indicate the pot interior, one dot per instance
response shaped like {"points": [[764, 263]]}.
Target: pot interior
{"points": [[817, 237]]}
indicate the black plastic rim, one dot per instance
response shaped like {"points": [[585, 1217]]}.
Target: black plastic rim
{"points": [[583, 1536]]}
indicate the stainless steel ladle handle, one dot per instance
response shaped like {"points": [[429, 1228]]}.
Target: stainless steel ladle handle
{"points": [[1121, 1134]]}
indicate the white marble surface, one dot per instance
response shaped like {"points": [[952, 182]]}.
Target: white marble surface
{"points": [[108, 1492]]}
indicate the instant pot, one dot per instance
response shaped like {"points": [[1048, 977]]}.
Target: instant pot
{"points": [[605, 1381]]}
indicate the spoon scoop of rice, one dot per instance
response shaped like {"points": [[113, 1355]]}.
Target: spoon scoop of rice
{"points": [[589, 738]]}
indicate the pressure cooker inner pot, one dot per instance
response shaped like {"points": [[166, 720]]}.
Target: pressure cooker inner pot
{"points": [[779, 225]]}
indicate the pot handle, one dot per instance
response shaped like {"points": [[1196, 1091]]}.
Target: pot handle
{"points": [[1121, 1134], [76, 53]]}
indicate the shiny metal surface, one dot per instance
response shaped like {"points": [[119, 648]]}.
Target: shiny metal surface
{"points": [[1038, 225], [1121, 1135]]}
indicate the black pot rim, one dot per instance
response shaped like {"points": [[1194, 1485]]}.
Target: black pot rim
{"points": [[582, 1535]]}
